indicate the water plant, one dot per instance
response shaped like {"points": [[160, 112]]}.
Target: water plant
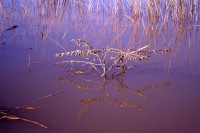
{"points": [[108, 59]]}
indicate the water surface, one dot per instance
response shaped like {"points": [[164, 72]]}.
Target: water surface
{"points": [[157, 95]]}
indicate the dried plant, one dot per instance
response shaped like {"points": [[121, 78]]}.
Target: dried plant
{"points": [[108, 58]]}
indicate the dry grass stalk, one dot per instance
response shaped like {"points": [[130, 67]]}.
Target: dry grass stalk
{"points": [[155, 14], [7, 113], [8, 116]]}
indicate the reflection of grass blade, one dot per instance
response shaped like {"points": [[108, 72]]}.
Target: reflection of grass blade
{"points": [[78, 85], [122, 85], [48, 96], [28, 107], [117, 103], [75, 83], [153, 86], [122, 104], [89, 100], [82, 113]]}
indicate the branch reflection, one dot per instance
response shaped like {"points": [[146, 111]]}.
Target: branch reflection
{"points": [[113, 90]]}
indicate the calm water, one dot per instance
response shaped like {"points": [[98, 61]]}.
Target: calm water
{"points": [[157, 96]]}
